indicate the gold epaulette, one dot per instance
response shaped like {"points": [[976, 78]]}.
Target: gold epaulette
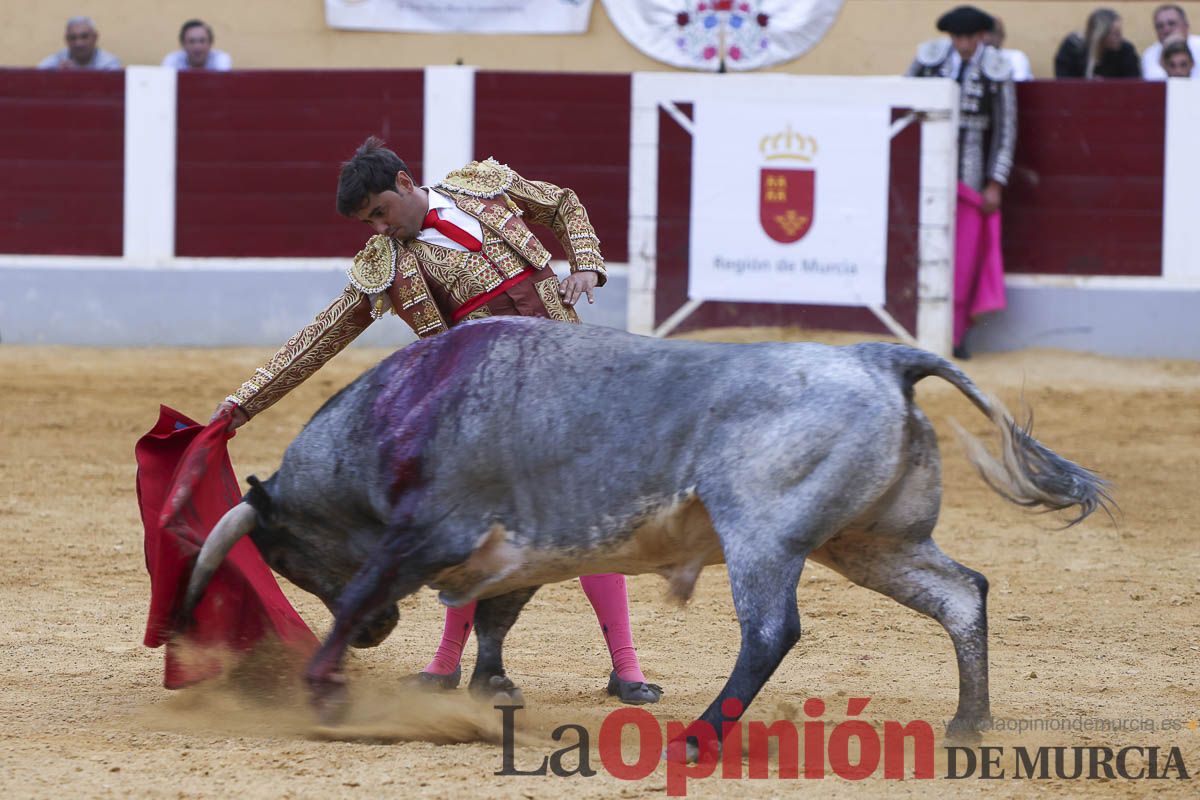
{"points": [[374, 268], [480, 179]]}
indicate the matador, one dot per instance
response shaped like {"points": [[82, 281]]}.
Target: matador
{"points": [[441, 255]]}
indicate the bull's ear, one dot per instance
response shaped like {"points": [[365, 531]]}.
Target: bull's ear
{"points": [[258, 497]]}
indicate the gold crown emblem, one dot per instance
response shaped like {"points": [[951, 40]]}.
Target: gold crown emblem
{"points": [[787, 145]]}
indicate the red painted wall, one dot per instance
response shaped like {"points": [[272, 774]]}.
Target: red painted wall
{"points": [[1086, 193], [570, 130], [259, 152], [62, 153], [258, 156]]}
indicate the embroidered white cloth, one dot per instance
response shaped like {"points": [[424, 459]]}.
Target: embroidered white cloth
{"points": [[460, 16], [739, 34]]}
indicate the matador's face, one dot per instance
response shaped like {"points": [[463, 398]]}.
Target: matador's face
{"points": [[398, 213], [967, 43]]}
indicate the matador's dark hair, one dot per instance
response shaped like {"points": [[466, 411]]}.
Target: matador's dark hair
{"points": [[372, 170]]}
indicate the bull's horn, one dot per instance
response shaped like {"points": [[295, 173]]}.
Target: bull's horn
{"points": [[237, 522]]}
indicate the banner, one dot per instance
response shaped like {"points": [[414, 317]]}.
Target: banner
{"points": [[789, 203], [460, 16], [719, 35]]}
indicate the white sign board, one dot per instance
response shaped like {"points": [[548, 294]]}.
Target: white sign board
{"points": [[460, 16], [789, 203]]}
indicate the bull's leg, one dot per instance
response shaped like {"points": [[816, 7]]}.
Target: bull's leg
{"points": [[493, 618], [764, 595], [916, 573], [398, 567]]}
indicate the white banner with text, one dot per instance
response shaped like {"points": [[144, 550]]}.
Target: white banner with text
{"points": [[789, 203], [460, 16]]}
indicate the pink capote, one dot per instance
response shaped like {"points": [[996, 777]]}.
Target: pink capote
{"points": [[978, 262], [185, 483]]}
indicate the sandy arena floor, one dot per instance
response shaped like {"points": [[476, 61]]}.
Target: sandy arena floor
{"points": [[1097, 622]]}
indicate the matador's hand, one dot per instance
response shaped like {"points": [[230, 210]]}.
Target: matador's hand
{"points": [[576, 284], [237, 417], [991, 197]]}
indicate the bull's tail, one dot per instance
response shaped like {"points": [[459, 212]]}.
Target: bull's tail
{"points": [[1027, 472]]}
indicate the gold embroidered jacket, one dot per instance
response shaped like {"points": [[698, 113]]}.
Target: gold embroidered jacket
{"points": [[424, 284]]}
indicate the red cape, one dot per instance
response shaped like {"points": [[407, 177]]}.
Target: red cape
{"points": [[185, 484]]}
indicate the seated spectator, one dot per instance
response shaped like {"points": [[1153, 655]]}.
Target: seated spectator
{"points": [[1169, 23], [1021, 71], [1177, 59], [1101, 52], [198, 52], [81, 51]]}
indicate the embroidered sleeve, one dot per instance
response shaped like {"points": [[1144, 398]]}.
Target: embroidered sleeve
{"points": [[305, 353], [560, 211], [1004, 132]]}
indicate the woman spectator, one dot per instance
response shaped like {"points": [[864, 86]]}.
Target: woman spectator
{"points": [[1101, 52]]}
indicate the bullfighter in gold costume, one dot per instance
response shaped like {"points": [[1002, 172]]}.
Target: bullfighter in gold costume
{"points": [[443, 254]]}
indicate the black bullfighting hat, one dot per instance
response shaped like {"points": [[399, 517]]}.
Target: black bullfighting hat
{"points": [[965, 20]]}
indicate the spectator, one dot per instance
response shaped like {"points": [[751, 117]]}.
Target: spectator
{"points": [[987, 136], [81, 51], [1020, 62], [1169, 23], [198, 52], [1177, 59], [1101, 52]]}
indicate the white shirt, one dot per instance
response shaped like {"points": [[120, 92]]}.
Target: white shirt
{"points": [[1151, 60], [218, 60], [448, 211], [101, 59], [1020, 64]]}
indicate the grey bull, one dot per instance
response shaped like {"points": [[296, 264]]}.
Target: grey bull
{"points": [[512, 452]]}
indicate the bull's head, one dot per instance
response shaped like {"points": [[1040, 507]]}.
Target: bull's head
{"points": [[309, 561]]}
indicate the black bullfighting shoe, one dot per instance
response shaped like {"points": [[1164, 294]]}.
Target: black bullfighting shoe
{"points": [[434, 682], [634, 693]]}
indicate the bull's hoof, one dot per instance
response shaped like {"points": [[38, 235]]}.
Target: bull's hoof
{"points": [[968, 729], [329, 697], [634, 693], [497, 690], [433, 682], [687, 751]]}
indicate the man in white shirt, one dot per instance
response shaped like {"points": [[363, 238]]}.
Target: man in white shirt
{"points": [[81, 51], [198, 52], [1170, 22]]}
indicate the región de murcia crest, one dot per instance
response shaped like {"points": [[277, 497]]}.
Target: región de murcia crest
{"points": [[787, 185]]}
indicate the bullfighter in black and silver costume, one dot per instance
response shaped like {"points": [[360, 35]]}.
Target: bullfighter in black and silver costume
{"points": [[987, 136], [987, 116]]}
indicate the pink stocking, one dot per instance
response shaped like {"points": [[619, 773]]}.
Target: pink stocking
{"points": [[607, 595], [454, 639]]}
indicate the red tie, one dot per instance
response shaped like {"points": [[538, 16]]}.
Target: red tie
{"points": [[451, 231]]}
